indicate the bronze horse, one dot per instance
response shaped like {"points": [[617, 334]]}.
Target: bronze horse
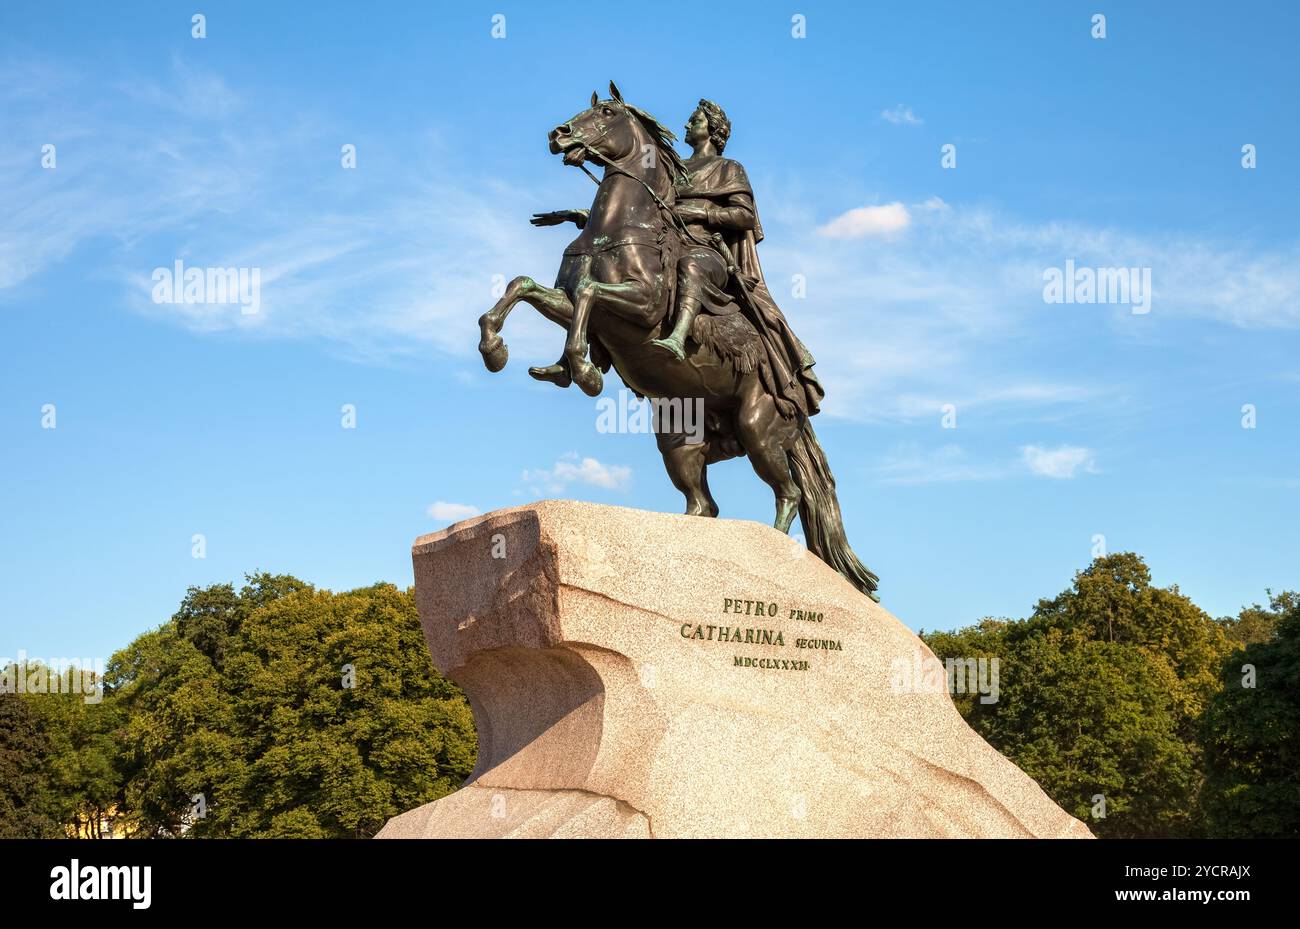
{"points": [[613, 293]]}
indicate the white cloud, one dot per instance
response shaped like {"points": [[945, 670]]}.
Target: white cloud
{"points": [[868, 221], [1061, 462], [570, 469], [901, 115], [453, 512]]}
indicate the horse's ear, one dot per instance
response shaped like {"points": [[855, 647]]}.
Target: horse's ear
{"points": [[595, 98], [613, 92]]}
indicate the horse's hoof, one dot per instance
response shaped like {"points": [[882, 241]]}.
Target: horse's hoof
{"points": [[495, 354], [557, 374], [589, 378], [672, 348]]}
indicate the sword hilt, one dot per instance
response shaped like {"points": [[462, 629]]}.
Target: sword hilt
{"points": [[721, 245]]}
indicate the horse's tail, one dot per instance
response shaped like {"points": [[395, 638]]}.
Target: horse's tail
{"points": [[819, 511]]}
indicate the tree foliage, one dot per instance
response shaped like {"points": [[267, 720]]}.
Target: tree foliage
{"points": [[1252, 729], [1101, 692], [279, 710], [26, 798], [275, 710]]}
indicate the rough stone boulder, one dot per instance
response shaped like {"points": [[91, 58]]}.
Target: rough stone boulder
{"points": [[645, 675]]}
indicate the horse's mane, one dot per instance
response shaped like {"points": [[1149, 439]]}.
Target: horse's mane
{"points": [[663, 138]]}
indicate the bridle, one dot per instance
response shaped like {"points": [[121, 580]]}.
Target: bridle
{"points": [[674, 219]]}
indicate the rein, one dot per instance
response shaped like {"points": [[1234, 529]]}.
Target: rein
{"points": [[676, 220]]}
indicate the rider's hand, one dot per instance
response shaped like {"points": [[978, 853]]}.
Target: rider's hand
{"points": [[555, 217], [693, 213]]}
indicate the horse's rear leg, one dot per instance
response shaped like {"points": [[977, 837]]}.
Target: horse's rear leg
{"points": [[551, 302], [686, 466], [764, 434]]}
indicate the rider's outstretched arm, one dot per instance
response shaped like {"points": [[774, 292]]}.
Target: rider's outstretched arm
{"points": [[555, 217]]}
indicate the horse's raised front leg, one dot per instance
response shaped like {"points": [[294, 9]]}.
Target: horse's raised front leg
{"points": [[629, 300], [551, 302]]}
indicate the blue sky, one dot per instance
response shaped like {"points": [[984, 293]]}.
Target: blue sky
{"points": [[924, 287]]}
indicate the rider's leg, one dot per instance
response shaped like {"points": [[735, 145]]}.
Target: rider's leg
{"points": [[688, 307], [694, 271]]}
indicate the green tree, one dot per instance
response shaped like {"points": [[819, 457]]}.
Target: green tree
{"points": [[986, 639], [178, 738], [342, 714], [285, 711], [1112, 600], [1101, 690], [1255, 623], [82, 761], [1251, 729], [26, 796]]}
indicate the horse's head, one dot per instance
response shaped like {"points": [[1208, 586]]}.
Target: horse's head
{"points": [[611, 132], [603, 133]]}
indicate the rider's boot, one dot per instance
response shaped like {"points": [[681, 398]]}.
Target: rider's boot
{"points": [[675, 344]]}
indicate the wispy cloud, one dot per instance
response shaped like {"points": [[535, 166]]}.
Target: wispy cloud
{"points": [[397, 257], [1062, 462], [952, 305], [909, 305], [901, 115], [910, 464]]}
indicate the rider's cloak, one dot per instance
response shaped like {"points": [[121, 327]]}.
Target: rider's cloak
{"points": [[788, 374]]}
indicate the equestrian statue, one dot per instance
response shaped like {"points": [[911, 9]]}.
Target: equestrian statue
{"points": [[664, 285]]}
